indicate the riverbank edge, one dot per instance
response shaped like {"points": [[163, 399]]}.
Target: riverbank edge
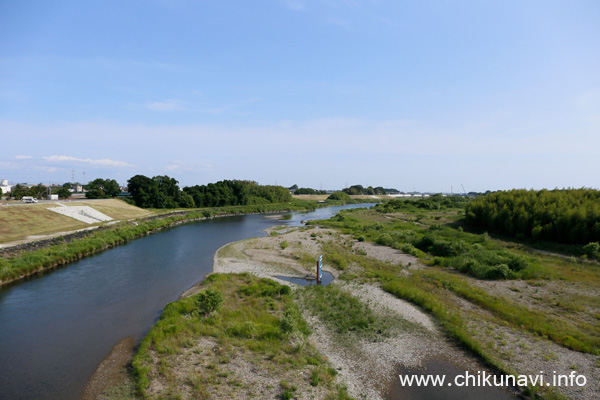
{"points": [[176, 218], [249, 266]]}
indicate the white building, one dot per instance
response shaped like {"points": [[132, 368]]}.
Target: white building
{"points": [[6, 188]]}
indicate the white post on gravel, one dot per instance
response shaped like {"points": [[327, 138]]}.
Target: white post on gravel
{"points": [[320, 269]]}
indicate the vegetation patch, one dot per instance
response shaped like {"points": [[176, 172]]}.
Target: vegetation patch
{"points": [[452, 287], [565, 216], [197, 347], [342, 311]]}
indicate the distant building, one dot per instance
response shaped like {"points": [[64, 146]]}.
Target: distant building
{"points": [[6, 188]]}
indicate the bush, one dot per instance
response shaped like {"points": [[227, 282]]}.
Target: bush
{"points": [[385, 239], [500, 271], [284, 244], [518, 263], [339, 196], [425, 242], [289, 321], [592, 249], [208, 301], [409, 249]]}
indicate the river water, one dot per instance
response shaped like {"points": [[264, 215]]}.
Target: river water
{"points": [[56, 329]]}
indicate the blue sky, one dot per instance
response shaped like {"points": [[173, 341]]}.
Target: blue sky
{"points": [[415, 95]]}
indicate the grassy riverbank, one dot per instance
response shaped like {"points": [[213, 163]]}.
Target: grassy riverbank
{"points": [[541, 315], [252, 346], [519, 310], [27, 263], [364, 332], [21, 221]]}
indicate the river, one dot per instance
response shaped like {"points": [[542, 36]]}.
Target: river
{"points": [[57, 328]]}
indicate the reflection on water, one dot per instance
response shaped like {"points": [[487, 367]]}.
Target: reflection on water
{"points": [[327, 279]]}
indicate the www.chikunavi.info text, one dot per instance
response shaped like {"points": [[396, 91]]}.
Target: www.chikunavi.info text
{"points": [[486, 379]]}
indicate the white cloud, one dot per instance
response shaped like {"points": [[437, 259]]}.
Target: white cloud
{"points": [[103, 161], [167, 105], [22, 157]]}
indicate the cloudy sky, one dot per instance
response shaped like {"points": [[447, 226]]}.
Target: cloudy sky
{"points": [[414, 94]]}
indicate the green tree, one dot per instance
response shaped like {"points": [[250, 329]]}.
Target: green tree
{"points": [[63, 193], [102, 189], [18, 192], [143, 190], [568, 215], [38, 191]]}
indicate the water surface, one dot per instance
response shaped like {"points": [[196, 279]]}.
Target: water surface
{"points": [[56, 329], [326, 280]]}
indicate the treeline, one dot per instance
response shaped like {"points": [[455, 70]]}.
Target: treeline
{"points": [[359, 189], [164, 192], [435, 202], [234, 193], [296, 190], [38, 191], [565, 216], [309, 191]]}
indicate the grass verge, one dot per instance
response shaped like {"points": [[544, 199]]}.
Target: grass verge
{"points": [[188, 354]]}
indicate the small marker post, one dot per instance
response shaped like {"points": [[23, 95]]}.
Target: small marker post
{"points": [[317, 273], [320, 270]]}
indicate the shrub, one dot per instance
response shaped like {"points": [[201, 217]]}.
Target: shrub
{"points": [[385, 239], [425, 242], [339, 196], [592, 249], [500, 271], [289, 321], [284, 244], [208, 301], [409, 249], [518, 263]]}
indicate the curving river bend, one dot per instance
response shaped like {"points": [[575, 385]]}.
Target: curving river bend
{"points": [[56, 329]]}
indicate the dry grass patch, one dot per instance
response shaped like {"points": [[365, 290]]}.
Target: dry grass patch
{"points": [[22, 221], [19, 222], [116, 209], [313, 197]]}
